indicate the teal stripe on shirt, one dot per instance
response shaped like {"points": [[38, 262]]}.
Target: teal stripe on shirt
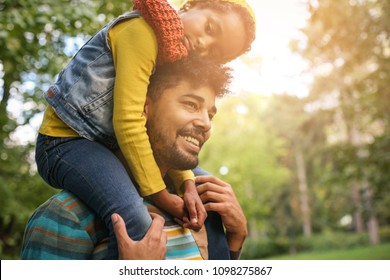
{"points": [[58, 230]]}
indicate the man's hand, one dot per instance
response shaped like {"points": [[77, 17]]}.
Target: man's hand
{"points": [[152, 247], [219, 196]]}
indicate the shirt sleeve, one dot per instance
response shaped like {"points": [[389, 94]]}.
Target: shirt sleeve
{"points": [[179, 176], [134, 48], [54, 233]]}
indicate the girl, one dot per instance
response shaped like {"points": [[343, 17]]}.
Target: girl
{"points": [[96, 108]]}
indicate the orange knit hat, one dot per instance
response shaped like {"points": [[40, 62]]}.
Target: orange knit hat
{"points": [[167, 25]]}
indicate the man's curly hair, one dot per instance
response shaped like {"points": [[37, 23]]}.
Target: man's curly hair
{"points": [[195, 71]]}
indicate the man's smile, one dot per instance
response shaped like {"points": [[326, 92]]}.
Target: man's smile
{"points": [[191, 143], [192, 140]]}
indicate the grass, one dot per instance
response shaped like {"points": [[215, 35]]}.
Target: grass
{"points": [[378, 252]]}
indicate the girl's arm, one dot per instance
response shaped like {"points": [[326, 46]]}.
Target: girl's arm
{"points": [[134, 50]]}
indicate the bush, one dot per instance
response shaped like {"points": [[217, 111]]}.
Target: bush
{"points": [[384, 234], [331, 240], [260, 249]]}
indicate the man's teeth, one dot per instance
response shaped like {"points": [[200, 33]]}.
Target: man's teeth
{"points": [[192, 140]]}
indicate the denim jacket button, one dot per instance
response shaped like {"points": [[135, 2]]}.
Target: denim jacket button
{"points": [[50, 93]]}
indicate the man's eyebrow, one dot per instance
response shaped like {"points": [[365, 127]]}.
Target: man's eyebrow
{"points": [[201, 100]]}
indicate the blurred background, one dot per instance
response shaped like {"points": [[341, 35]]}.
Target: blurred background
{"points": [[304, 139]]}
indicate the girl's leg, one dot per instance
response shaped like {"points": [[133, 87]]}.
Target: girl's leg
{"points": [[94, 174]]}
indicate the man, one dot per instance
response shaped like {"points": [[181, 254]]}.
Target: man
{"points": [[179, 108]]}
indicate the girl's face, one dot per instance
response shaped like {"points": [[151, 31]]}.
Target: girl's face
{"points": [[207, 33]]}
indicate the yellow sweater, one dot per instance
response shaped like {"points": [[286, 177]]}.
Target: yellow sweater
{"points": [[134, 48]]}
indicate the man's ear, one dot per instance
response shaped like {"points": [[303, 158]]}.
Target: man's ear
{"points": [[147, 107]]}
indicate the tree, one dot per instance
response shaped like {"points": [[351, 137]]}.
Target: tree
{"points": [[246, 155], [347, 46], [36, 41]]}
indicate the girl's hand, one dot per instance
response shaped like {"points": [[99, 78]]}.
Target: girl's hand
{"points": [[194, 206]]}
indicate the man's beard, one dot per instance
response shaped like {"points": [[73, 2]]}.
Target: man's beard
{"points": [[176, 159], [168, 153]]}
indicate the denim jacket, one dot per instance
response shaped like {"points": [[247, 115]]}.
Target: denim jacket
{"points": [[82, 96]]}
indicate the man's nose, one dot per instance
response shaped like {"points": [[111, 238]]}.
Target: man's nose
{"points": [[203, 121]]}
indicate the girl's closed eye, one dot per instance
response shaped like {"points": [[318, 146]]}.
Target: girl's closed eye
{"points": [[209, 28]]}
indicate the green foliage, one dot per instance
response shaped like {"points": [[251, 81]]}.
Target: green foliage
{"points": [[347, 47], [243, 153], [35, 45], [267, 247], [378, 252], [331, 240], [342, 129], [264, 248], [384, 234]]}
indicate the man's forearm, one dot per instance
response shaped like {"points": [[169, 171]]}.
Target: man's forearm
{"points": [[236, 240]]}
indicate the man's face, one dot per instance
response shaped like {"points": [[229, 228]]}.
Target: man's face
{"points": [[178, 124]]}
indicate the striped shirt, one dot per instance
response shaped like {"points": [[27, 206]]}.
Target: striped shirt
{"points": [[65, 228]]}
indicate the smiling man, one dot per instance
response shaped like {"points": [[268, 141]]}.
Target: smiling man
{"points": [[179, 109], [178, 137]]}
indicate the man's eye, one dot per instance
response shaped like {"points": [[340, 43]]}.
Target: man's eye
{"points": [[191, 105]]}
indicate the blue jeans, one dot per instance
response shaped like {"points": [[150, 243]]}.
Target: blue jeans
{"points": [[94, 174]]}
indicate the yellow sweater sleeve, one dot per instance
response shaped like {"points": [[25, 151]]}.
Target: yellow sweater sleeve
{"points": [[179, 176], [134, 48]]}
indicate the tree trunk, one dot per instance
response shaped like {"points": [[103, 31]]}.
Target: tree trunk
{"points": [[372, 224], [4, 102], [302, 183], [358, 219]]}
